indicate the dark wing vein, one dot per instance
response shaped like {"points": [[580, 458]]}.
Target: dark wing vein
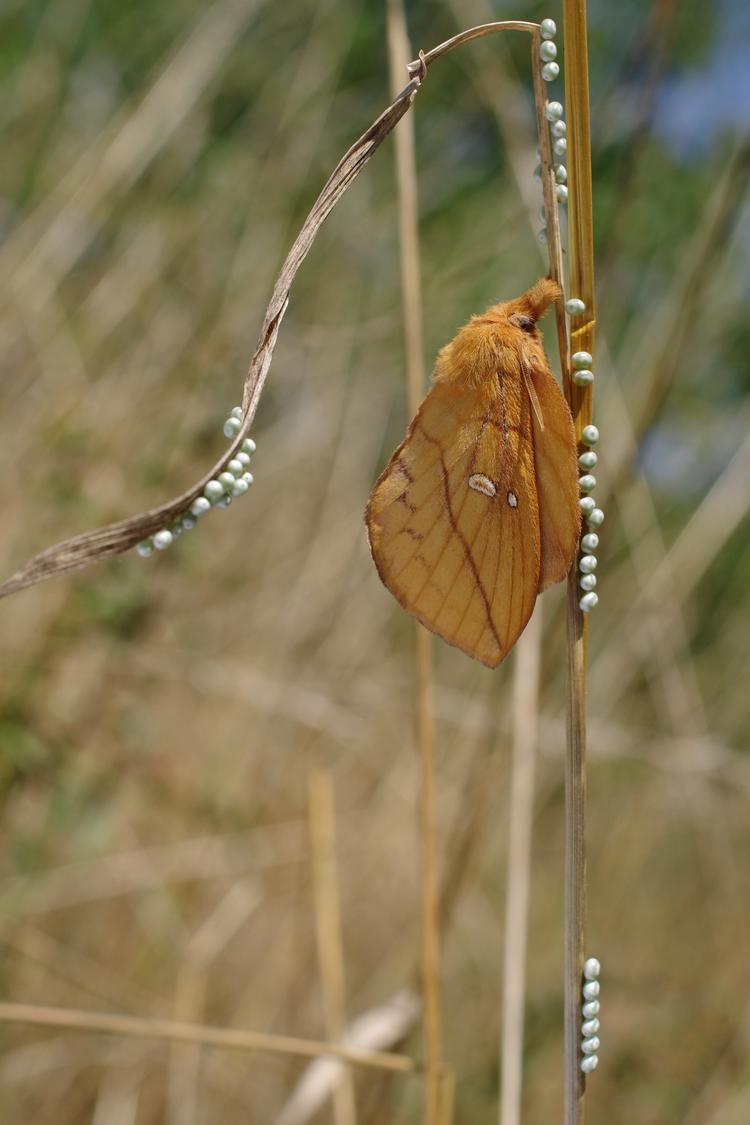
{"points": [[467, 553]]}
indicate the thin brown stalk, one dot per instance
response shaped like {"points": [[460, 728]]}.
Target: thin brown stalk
{"points": [[185, 1059], [549, 185], [581, 284], [236, 1039], [525, 728], [466, 37], [411, 297], [429, 875], [328, 930]]}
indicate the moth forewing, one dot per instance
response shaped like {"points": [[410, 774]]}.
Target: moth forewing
{"points": [[465, 525]]}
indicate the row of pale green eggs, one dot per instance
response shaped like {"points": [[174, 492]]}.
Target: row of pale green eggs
{"points": [[234, 480]]}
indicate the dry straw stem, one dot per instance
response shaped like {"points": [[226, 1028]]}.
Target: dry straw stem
{"points": [[521, 804], [411, 299], [581, 284], [328, 930], [177, 1031], [114, 539], [549, 185], [447, 1094]]}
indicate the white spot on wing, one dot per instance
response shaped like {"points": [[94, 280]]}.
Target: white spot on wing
{"points": [[512, 500], [480, 483]]}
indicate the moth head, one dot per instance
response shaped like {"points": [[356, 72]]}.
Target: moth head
{"points": [[523, 312], [504, 338], [522, 321]]}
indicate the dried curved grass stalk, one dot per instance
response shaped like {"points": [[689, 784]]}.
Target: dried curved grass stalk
{"points": [[90, 547], [115, 538]]}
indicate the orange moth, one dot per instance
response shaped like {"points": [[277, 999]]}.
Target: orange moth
{"points": [[477, 510]]}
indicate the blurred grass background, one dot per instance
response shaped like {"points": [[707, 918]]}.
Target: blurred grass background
{"points": [[159, 719]]}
